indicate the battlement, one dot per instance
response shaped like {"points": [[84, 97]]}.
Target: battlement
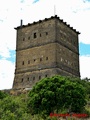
{"points": [[46, 19]]}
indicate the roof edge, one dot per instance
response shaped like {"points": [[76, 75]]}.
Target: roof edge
{"points": [[40, 21]]}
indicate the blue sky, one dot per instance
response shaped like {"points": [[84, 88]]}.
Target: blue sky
{"points": [[35, 1], [84, 49], [74, 12]]}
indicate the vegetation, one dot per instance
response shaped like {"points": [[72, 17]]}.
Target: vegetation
{"points": [[56, 94], [12, 108], [2, 95]]}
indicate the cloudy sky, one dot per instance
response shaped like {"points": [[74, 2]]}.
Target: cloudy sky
{"points": [[74, 12]]}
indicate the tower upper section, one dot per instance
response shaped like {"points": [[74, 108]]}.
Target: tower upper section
{"points": [[46, 31]]}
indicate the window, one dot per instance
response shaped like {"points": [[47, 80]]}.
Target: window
{"points": [[28, 61], [40, 35], [28, 78], [23, 39], [34, 60], [39, 77], [46, 58], [22, 62], [40, 59], [45, 75], [29, 38], [22, 80], [35, 35], [46, 33]]}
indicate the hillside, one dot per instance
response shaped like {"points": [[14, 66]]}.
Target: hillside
{"points": [[14, 105]]}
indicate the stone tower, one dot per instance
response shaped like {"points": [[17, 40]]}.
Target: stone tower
{"points": [[43, 49]]}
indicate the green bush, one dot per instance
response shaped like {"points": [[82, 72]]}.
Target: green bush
{"points": [[13, 108], [56, 93], [3, 94]]}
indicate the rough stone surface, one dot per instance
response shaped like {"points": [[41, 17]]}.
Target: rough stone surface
{"points": [[44, 49], [17, 92]]}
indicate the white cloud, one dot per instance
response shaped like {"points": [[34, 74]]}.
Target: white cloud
{"points": [[74, 12], [85, 66], [6, 74], [7, 40]]}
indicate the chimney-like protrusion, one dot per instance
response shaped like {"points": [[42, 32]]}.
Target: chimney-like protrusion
{"points": [[21, 22]]}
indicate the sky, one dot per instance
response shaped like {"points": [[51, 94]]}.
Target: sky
{"points": [[74, 12]]}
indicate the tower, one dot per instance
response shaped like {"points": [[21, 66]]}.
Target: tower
{"points": [[45, 48]]}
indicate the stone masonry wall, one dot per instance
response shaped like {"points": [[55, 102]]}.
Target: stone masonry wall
{"points": [[43, 49]]}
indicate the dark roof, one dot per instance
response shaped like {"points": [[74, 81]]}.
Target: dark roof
{"points": [[29, 24]]}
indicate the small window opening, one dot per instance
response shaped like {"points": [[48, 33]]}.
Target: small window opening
{"points": [[39, 77], [22, 80], [46, 58], [34, 60], [28, 78], [40, 35], [28, 61], [22, 62], [23, 39], [45, 75], [40, 59], [35, 35], [29, 38], [46, 33]]}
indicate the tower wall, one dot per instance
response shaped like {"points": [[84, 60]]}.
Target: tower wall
{"points": [[43, 49], [67, 49], [36, 34]]}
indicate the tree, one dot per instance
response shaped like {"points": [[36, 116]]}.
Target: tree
{"points": [[13, 107], [55, 93], [3, 94]]}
